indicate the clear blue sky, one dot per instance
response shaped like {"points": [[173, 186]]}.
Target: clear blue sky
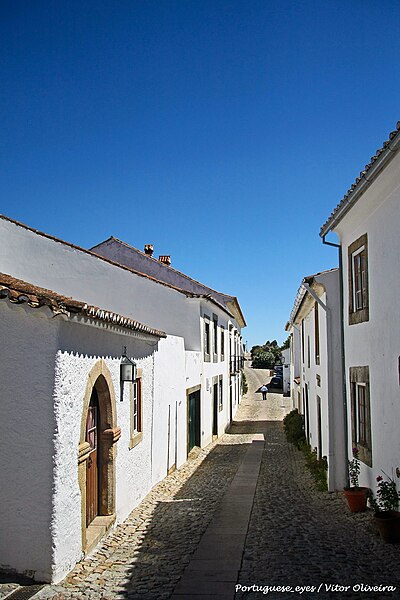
{"points": [[223, 132]]}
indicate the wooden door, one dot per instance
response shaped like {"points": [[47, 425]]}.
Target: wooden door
{"points": [[319, 425], [194, 420], [92, 470], [215, 409]]}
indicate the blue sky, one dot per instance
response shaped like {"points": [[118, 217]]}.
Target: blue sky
{"points": [[223, 132]]}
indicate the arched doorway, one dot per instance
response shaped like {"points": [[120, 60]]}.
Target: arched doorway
{"points": [[93, 482], [97, 456]]}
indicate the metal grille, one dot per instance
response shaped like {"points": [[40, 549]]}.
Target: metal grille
{"points": [[24, 592]]}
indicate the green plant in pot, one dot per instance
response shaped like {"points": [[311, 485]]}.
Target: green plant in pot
{"points": [[356, 495], [385, 506]]}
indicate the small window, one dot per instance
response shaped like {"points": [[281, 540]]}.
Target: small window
{"points": [[316, 326], [220, 395], [358, 281], [361, 413], [215, 337], [222, 343], [206, 339], [136, 412]]}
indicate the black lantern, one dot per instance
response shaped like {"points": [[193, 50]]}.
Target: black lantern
{"points": [[127, 368]]}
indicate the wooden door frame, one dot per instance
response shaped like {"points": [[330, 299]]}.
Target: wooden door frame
{"points": [[100, 378], [189, 391]]}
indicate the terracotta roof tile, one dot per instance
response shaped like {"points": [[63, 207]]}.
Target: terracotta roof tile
{"points": [[19, 292]]}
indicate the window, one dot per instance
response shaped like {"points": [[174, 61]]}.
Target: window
{"points": [[136, 412], [206, 339], [222, 343], [358, 281], [215, 338], [220, 394], [316, 326], [361, 413]]}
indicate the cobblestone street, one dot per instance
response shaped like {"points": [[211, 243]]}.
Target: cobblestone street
{"points": [[295, 536]]}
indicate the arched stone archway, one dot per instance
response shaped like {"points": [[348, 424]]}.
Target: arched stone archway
{"points": [[99, 379]]}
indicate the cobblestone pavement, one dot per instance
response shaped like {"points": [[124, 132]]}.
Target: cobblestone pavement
{"points": [[300, 537], [296, 536], [144, 558]]}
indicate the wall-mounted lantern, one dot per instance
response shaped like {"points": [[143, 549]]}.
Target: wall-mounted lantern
{"points": [[127, 368]]}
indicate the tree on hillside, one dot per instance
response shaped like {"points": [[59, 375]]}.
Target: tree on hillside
{"points": [[266, 356]]}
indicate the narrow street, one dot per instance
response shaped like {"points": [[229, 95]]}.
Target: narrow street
{"points": [[241, 513]]}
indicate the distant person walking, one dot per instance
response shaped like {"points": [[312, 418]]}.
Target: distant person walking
{"points": [[264, 391]]}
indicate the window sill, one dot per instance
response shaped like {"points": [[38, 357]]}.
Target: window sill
{"points": [[359, 316], [135, 439], [364, 454]]}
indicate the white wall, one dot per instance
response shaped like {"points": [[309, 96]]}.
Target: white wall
{"points": [[170, 423], [80, 347], [286, 371], [27, 418], [71, 272], [376, 343], [44, 374], [329, 372]]}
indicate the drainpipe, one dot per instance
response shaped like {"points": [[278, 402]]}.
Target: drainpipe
{"points": [[346, 424], [307, 287]]}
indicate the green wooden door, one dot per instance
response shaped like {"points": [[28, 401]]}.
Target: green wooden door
{"points": [[193, 420]]}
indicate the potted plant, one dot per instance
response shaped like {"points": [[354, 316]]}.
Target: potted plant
{"points": [[356, 495], [386, 515]]}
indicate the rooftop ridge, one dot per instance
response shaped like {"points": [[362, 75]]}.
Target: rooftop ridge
{"points": [[186, 293], [381, 154], [164, 265], [86, 251]]}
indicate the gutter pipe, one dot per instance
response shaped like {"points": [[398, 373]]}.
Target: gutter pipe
{"points": [[346, 424]]}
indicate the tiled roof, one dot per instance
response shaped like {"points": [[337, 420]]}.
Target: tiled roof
{"points": [[141, 262], [301, 292], [17, 291], [379, 159], [119, 265], [203, 289]]}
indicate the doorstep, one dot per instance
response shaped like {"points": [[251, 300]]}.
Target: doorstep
{"points": [[96, 530]]}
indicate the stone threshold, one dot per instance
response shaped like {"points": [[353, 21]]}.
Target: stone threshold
{"points": [[97, 530]]}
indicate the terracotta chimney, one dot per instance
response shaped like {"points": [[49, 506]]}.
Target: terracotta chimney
{"points": [[149, 249], [165, 259]]}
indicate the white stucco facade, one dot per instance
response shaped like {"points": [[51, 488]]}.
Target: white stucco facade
{"points": [[286, 371], [45, 500], [42, 409], [316, 319], [374, 342]]}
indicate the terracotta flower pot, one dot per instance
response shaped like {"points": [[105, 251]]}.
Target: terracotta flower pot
{"points": [[388, 525], [356, 498]]}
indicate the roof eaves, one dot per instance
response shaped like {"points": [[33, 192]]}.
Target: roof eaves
{"points": [[212, 300], [80, 249], [20, 292], [366, 177]]}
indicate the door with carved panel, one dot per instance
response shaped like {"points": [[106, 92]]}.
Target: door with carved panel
{"points": [[92, 469]]}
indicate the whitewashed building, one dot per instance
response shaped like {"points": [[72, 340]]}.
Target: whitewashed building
{"points": [[366, 222], [286, 371], [316, 385], [221, 320], [71, 427]]}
